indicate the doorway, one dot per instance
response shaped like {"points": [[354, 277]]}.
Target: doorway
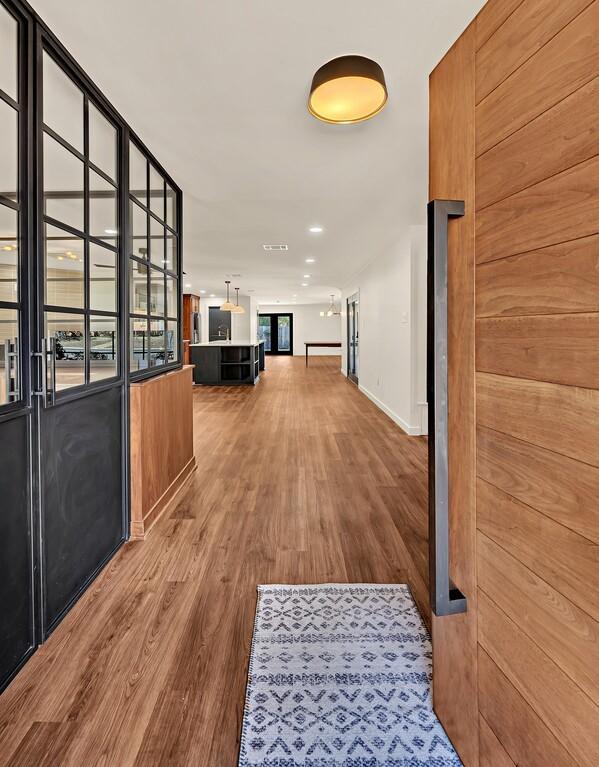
{"points": [[219, 324], [353, 337], [276, 330]]}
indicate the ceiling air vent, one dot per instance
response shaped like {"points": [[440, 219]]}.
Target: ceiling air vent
{"points": [[275, 247]]}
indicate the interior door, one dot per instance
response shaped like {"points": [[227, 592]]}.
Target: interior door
{"points": [[452, 471], [79, 339], [353, 338]]}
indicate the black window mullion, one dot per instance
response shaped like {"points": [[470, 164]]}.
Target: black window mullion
{"points": [[86, 226]]}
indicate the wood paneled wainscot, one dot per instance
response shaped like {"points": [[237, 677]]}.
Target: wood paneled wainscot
{"points": [[162, 458]]}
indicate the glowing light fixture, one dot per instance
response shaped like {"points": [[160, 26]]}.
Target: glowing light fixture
{"points": [[316, 229], [238, 309], [348, 89], [310, 260], [227, 306]]}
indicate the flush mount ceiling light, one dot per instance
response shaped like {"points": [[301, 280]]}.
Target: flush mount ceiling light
{"points": [[348, 89], [238, 309], [227, 306]]}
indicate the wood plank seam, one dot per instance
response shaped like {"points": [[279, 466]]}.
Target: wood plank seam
{"points": [[486, 40], [536, 249]]}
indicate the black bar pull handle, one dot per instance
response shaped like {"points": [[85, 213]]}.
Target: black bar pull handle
{"points": [[446, 598]]}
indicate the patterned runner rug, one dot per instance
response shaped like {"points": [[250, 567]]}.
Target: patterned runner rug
{"points": [[340, 676]]}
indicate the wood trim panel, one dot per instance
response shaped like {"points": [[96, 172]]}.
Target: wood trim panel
{"points": [[525, 737], [570, 714], [556, 417], [558, 279], [492, 753], [562, 348], [559, 487], [568, 635], [544, 147], [490, 18], [565, 560], [564, 64], [563, 208], [527, 29], [452, 142]]}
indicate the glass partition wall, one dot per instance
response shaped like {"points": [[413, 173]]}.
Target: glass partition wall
{"points": [[90, 276]]}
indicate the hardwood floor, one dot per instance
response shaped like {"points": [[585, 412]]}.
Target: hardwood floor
{"points": [[300, 479]]}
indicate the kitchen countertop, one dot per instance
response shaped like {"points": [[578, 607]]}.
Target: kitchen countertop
{"points": [[228, 343]]}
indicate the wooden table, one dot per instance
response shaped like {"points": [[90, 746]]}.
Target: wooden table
{"points": [[308, 344]]}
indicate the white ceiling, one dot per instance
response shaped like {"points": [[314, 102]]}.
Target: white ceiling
{"points": [[218, 89]]}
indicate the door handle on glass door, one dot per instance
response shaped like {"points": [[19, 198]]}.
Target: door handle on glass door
{"points": [[47, 393], [12, 369]]}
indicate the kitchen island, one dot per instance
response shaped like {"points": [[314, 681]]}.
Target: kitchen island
{"points": [[227, 363]]}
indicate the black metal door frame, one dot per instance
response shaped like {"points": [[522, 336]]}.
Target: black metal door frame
{"points": [[353, 336], [274, 332]]}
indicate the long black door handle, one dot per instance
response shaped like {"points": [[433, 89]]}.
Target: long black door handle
{"points": [[446, 598]]}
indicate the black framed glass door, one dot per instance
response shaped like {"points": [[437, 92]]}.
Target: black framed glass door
{"points": [[276, 330], [353, 337]]}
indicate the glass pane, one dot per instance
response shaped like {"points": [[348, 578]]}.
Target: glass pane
{"points": [[172, 299], [68, 330], [138, 345], [102, 209], [157, 342], [171, 252], [156, 193], [9, 151], [103, 348], [63, 184], [171, 207], [139, 231], [264, 331], [102, 142], [284, 334], [9, 255], [172, 348], [63, 104], [64, 269], [156, 292], [102, 279], [138, 285], [9, 330], [138, 174], [8, 53], [157, 243]]}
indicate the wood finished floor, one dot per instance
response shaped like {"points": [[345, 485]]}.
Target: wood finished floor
{"points": [[300, 479]]}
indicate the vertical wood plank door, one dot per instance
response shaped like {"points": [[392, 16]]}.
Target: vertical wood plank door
{"points": [[452, 143], [524, 380]]}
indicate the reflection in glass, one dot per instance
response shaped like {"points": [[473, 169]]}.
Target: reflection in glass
{"points": [[171, 252], [157, 243], [171, 298], [138, 344], [138, 285], [139, 231], [171, 207], [264, 332], [8, 53], [138, 174], [103, 348], [63, 104], [64, 273], [102, 209], [102, 279], [102, 142], [157, 347], [9, 255], [9, 331], [68, 330], [156, 292], [8, 151], [63, 184], [156, 193], [172, 347]]}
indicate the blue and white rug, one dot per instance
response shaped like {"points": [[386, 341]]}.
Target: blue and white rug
{"points": [[340, 676]]}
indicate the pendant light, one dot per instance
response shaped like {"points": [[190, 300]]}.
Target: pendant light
{"points": [[348, 89], [332, 310], [227, 306], [238, 309]]}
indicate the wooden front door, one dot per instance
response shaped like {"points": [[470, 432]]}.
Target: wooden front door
{"points": [[514, 108]]}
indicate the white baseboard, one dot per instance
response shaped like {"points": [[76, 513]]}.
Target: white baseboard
{"points": [[343, 372], [412, 431]]}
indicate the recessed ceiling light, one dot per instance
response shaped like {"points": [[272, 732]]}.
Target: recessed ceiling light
{"points": [[188, 284], [212, 295], [295, 295], [316, 229], [202, 291], [110, 231], [307, 276], [304, 284], [310, 260]]}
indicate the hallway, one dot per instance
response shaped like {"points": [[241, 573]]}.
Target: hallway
{"points": [[300, 479]]}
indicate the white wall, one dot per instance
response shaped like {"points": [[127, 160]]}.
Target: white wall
{"points": [[392, 350], [308, 325]]}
